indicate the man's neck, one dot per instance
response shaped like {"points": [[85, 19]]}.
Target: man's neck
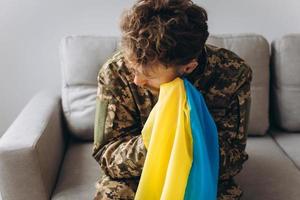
{"points": [[202, 61]]}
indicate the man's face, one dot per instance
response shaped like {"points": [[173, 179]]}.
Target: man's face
{"points": [[153, 77]]}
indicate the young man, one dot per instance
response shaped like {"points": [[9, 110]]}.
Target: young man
{"points": [[162, 40]]}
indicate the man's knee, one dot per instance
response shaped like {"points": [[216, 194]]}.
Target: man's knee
{"points": [[107, 188]]}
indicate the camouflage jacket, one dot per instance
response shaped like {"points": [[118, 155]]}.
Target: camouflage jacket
{"points": [[122, 110]]}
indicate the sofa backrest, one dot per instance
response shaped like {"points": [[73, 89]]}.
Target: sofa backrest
{"points": [[82, 56], [255, 50], [285, 85]]}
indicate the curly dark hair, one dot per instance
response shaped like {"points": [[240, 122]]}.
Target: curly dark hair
{"points": [[172, 32]]}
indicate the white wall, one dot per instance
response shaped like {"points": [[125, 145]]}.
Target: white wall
{"points": [[30, 32], [271, 18]]}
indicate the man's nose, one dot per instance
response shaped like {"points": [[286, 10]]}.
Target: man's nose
{"points": [[139, 81]]}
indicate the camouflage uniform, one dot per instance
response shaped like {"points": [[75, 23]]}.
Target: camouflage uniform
{"points": [[123, 107]]}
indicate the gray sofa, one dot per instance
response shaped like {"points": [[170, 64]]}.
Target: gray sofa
{"points": [[47, 152]]}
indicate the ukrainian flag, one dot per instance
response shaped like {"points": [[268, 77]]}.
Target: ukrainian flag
{"points": [[181, 138]]}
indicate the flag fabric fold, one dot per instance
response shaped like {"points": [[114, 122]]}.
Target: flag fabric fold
{"points": [[181, 139]]}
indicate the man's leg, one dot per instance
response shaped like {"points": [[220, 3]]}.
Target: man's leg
{"points": [[229, 190], [107, 188]]}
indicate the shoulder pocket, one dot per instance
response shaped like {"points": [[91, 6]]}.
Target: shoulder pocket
{"points": [[100, 116]]}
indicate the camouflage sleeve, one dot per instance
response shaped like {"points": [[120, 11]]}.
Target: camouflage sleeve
{"points": [[118, 145], [232, 128]]}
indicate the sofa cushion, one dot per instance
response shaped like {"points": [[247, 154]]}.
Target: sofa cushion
{"points": [[79, 173], [254, 49], [285, 85], [83, 56], [289, 143], [269, 173]]}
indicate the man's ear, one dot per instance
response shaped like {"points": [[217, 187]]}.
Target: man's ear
{"points": [[188, 68]]}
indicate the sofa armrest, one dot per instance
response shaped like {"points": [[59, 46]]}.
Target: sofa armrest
{"points": [[32, 149]]}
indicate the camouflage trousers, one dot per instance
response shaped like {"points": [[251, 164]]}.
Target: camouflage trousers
{"points": [[107, 189]]}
